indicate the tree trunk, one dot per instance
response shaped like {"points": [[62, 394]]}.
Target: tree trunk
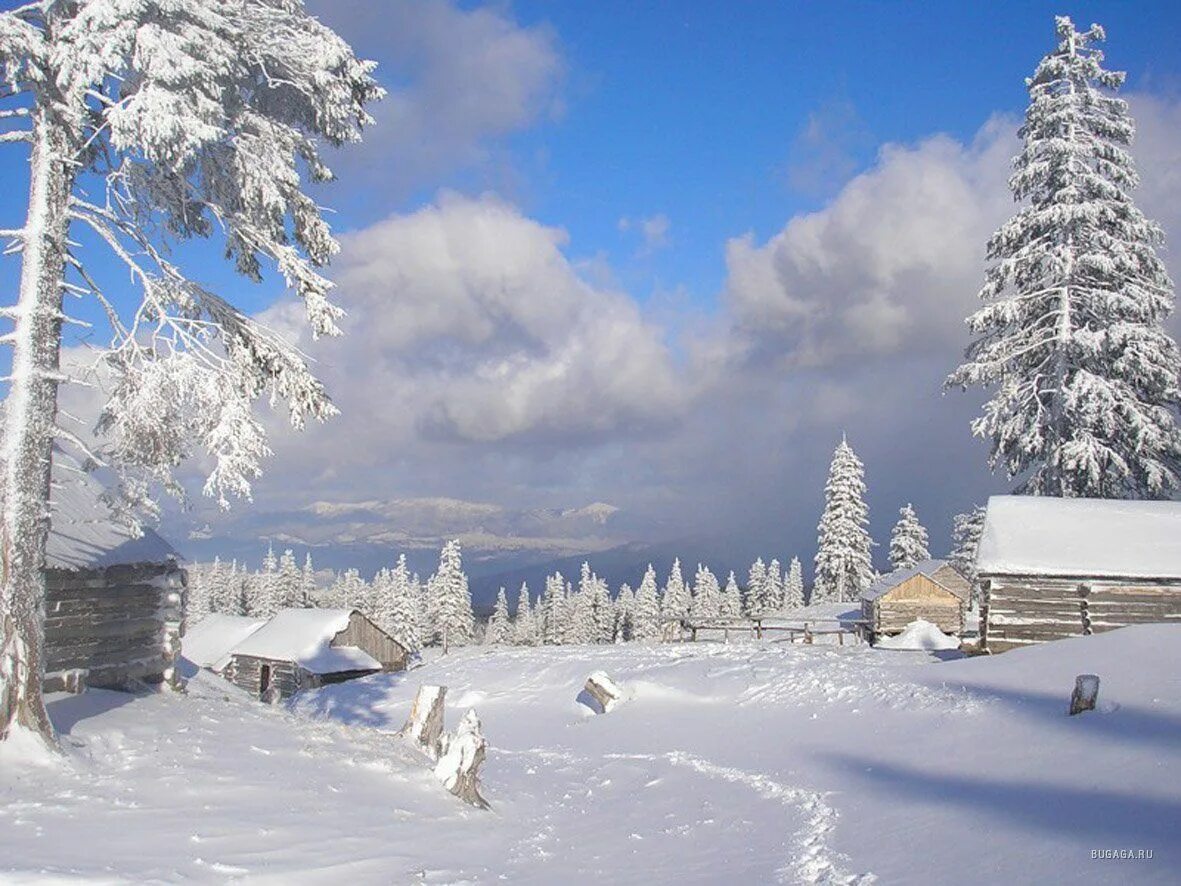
{"points": [[29, 432]]}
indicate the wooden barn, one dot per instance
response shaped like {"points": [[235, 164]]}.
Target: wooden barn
{"points": [[114, 607], [1067, 567], [305, 648], [931, 590]]}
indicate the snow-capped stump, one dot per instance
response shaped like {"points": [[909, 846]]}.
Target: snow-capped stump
{"points": [[600, 693], [1086, 693], [462, 755], [424, 726]]}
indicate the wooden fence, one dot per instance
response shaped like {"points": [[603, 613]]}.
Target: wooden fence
{"points": [[113, 627], [681, 631]]}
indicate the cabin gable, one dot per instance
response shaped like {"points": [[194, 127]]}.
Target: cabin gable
{"points": [[368, 637]]}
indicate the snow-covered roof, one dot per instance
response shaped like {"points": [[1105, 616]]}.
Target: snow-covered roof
{"points": [[887, 583], [1026, 535], [85, 533], [304, 636], [207, 643]]}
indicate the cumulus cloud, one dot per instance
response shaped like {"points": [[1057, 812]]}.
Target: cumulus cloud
{"points": [[472, 324], [458, 80], [895, 258]]}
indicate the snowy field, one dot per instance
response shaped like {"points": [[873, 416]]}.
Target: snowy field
{"points": [[748, 763]]}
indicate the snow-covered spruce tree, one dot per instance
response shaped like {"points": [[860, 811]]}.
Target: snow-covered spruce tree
{"points": [[453, 601], [307, 583], [288, 592], [200, 597], [965, 534], [844, 567], [500, 627], [774, 586], [553, 609], [731, 599], [756, 582], [707, 596], [646, 613], [677, 601], [793, 586], [908, 540], [150, 122], [525, 628], [625, 604], [603, 608], [1071, 336], [401, 615]]}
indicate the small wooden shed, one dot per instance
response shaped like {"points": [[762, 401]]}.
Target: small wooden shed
{"points": [[932, 590], [1051, 568], [305, 648], [114, 598]]}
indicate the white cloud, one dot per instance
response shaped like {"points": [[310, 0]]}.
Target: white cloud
{"points": [[458, 79], [894, 260], [468, 323]]}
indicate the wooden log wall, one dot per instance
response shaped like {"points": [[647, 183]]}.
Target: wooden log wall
{"points": [[113, 627], [892, 616], [245, 672], [1019, 611]]}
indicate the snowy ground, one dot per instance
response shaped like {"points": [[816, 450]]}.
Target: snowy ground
{"points": [[748, 762]]}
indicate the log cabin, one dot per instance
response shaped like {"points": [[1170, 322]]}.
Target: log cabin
{"points": [[1051, 568], [931, 590], [114, 596], [306, 648]]}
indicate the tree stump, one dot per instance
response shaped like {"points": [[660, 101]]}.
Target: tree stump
{"points": [[1086, 693], [463, 755], [424, 726], [600, 693]]}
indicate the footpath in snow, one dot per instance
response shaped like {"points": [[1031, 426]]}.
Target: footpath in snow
{"points": [[754, 762]]}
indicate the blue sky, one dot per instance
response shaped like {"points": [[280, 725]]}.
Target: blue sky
{"points": [[659, 256]]}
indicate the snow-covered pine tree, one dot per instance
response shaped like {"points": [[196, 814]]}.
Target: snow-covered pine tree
{"points": [[756, 589], [453, 601], [731, 599], [200, 597], [216, 577], [1071, 335], [908, 540], [381, 598], [240, 586], [525, 627], [264, 589], [288, 591], [404, 598], [677, 600], [424, 624], [307, 583], [646, 613], [580, 628], [553, 609], [500, 627], [774, 586], [965, 533], [793, 586], [843, 564], [625, 602], [603, 608], [707, 596], [150, 123]]}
